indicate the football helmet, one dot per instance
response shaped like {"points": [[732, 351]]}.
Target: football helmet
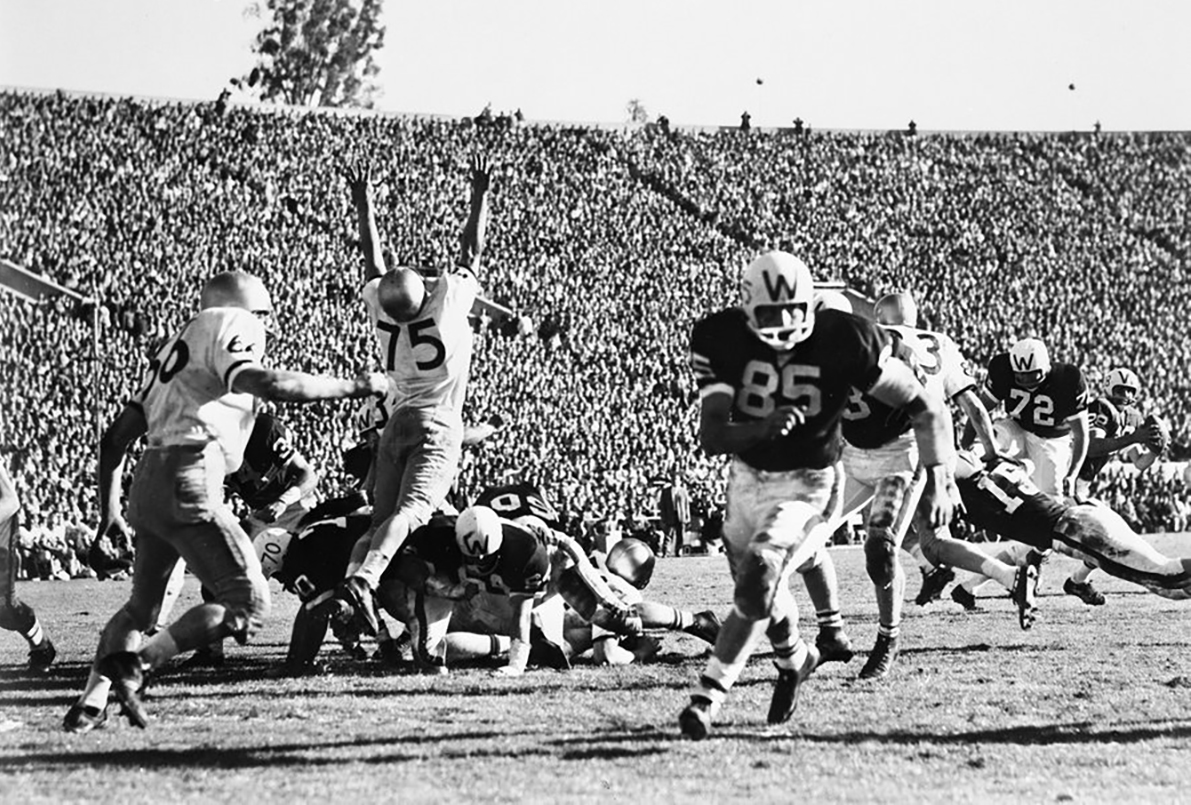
{"points": [[237, 289], [1124, 386], [632, 560], [777, 295], [1030, 363], [896, 308], [479, 533], [831, 299]]}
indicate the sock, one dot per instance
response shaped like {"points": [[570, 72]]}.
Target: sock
{"points": [[1081, 573], [34, 634], [789, 648], [829, 619], [96, 692], [889, 631], [683, 619]]}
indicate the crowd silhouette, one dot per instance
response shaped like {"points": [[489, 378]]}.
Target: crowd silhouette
{"points": [[607, 243]]}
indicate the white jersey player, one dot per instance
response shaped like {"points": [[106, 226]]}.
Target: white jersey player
{"points": [[882, 466], [196, 410], [424, 340]]}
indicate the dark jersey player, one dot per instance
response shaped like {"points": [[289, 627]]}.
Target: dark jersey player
{"points": [[1002, 498], [773, 379]]}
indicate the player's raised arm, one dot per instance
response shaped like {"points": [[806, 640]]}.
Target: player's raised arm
{"points": [[359, 182], [471, 242]]}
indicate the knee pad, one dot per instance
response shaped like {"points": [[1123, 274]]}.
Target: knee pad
{"points": [[880, 558], [759, 572]]}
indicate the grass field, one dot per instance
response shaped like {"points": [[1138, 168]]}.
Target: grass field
{"points": [[1092, 705]]}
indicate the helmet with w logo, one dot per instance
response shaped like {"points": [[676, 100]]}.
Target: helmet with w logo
{"points": [[777, 295], [1030, 363], [1124, 386]]}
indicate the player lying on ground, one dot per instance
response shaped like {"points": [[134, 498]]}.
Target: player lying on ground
{"points": [[1001, 497]]}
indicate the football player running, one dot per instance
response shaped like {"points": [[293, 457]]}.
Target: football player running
{"points": [[1117, 426], [880, 459], [15, 614], [1001, 496], [774, 379], [1046, 421], [196, 410], [425, 345]]}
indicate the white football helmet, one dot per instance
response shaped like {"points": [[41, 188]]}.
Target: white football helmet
{"points": [[632, 560], [777, 295], [1124, 386], [1030, 363], [479, 533], [896, 308], [831, 299]]}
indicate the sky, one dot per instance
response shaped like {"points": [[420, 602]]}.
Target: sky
{"points": [[954, 65]]}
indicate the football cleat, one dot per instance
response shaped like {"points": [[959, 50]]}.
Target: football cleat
{"points": [[123, 668], [356, 592], [880, 659], [833, 645], [84, 718], [962, 596], [786, 686], [42, 657], [429, 665], [1025, 592], [706, 626], [933, 584], [1084, 592], [545, 653], [695, 719]]}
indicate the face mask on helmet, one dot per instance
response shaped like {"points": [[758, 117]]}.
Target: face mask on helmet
{"points": [[1030, 363], [631, 560], [1124, 386], [777, 294]]}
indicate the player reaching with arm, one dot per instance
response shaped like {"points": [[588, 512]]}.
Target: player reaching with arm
{"points": [[196, 410], [881, 465], [774, 378], [425, 345], [999, 495], [1117, 426], [1046, 421]]}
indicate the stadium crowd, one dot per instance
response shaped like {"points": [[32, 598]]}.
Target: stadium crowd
{"points": [[608, 245]]}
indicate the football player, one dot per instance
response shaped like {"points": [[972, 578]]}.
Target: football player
{"points": [[196, 410], [1117, 426], [15, 614], [1046, 421], [774, 378], [627, 569], [880, 460], [1001, 496], [424, 341], [277, 484]]}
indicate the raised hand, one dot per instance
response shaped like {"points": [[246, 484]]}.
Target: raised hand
{"points": [[481, 173]]}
